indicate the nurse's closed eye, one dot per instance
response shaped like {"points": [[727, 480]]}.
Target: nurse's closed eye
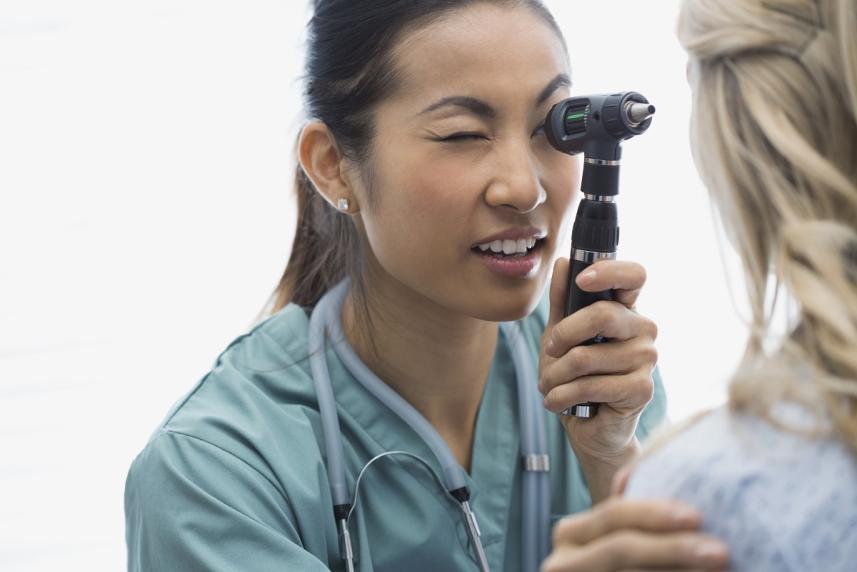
{"points": [[463, 137], [540, 130]]}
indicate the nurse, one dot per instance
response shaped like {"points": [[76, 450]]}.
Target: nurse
{"points": [[431, 210]]}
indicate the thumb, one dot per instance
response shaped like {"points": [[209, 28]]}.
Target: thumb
{"points": [[559, 284]]}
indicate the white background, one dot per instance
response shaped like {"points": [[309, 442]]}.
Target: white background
{"points": [[146, 214]]}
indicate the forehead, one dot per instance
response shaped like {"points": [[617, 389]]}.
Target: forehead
{"points": [[485, 50]]}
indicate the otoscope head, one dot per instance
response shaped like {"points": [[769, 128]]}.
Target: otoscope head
{"points": [[597, 124]]}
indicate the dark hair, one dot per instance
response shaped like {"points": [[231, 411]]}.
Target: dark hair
{"points": [[349, 70]]}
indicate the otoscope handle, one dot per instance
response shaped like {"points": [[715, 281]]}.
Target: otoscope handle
{"points": [[595, 125], [576, 300]]}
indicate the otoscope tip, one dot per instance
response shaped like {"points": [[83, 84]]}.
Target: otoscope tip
{"points": [[638, 112]]}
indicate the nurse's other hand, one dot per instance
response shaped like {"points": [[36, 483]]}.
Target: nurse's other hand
{"points": [[622, 534], [617, 374]]}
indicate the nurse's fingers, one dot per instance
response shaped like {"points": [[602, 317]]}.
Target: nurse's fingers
{"points": [[605, 318], [629, 549], [619, 513], [625, 278], [628, 392], [616, 357]]}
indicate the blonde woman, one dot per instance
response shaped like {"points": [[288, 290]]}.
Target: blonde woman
{"points": [[774, 132]]}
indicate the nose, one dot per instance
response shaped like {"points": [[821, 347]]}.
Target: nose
{"points": [[516, 182]]}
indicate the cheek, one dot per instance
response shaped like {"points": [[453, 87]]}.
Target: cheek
{"points": [[420, 208], [430, 189], [562, 181]]}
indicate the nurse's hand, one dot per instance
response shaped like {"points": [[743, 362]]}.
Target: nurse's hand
{"points": [[621, 534], [617, 374]]}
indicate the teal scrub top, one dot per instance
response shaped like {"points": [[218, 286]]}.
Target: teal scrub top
{"points": [[234, 478]]}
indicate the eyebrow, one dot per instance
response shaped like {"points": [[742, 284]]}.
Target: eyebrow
{"points": [[482, 109]]}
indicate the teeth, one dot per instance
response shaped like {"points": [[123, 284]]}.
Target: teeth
{"points": [[509, 247]]}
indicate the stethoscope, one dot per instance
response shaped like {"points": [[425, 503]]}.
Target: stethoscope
{"points": [[326, 320]]}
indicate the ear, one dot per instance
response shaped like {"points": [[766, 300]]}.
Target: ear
{"points": [[322, 162]]}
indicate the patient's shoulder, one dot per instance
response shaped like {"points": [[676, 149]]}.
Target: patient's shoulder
{"points": [[781, 500]]}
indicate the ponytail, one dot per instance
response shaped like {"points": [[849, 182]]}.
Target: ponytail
{"points": [[775, 139], [818, 265]]}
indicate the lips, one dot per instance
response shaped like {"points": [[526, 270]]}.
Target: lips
{"points": [[512, 266]]}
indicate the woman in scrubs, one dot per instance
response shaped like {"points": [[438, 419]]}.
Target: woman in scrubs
{"points": [[425, 142]]}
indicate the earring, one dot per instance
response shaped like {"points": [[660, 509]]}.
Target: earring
{"points": [[342, 204]]}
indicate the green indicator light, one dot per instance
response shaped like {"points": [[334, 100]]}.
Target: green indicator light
{"points": [[576, 115]]}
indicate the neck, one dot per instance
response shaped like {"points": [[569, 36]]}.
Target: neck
{"points": [[435, 359]]}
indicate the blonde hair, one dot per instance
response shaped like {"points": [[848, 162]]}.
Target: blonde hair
{"points": [[774, 132]]}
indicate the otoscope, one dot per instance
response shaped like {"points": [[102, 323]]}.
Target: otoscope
{"points": [[595, 125]]}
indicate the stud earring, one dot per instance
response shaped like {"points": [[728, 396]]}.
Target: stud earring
{"points": [[342, 204]]}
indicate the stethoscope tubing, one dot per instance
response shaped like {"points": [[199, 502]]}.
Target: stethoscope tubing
{"points": [[325, 320]]}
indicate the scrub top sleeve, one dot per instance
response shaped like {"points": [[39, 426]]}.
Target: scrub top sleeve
{"points": [[191, 505]]}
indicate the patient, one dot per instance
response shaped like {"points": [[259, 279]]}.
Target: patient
{"points": [[774, 131]]}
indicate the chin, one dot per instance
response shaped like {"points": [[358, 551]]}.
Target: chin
{"points": [[507, 305]]}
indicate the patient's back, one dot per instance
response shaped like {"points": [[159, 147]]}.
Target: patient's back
{"points": [[783, 502]]}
